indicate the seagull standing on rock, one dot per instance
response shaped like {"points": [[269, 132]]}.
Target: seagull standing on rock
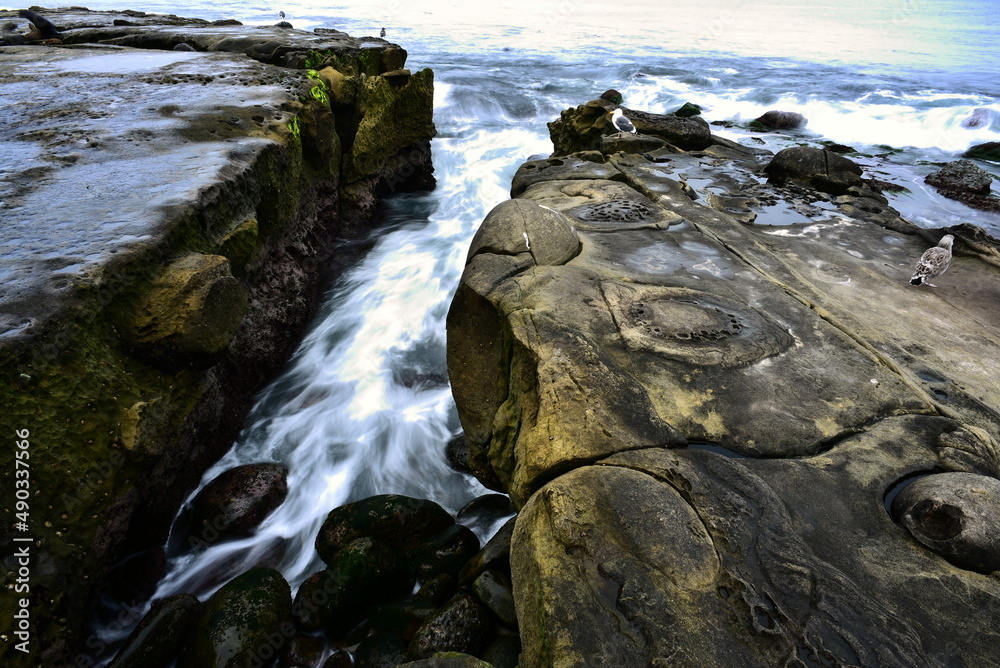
{"points": [[621, 123], [934, 262]]}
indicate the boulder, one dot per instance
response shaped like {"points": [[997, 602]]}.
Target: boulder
{"points": [[448, 660], [445, 552], [457, 453], [781, 120], [818, 168], [364, 573], [493, 589], [161, 634], [303, 651], [190, 314], [236, 502], [688, 134], [988, 151], [437, 590], [687, 110], [957, 515], [965, 182], [612, 96], [400, 521], [464, 625], [247, 620], [582, 128], [962, 176], [380, 650], [494, 555], [401, 618], [483, 513], [340, 658], [504, 652]]}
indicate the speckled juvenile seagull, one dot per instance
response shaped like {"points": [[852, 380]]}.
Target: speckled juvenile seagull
{"points": [[621, 123], [933, 262]]}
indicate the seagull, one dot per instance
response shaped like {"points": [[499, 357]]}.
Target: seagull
{"points": [[933, 262], [621, 123]]}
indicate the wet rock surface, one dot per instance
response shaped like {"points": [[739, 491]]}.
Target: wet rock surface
{"points": [[237, 501], [161, 633], [171, 191], [967, 182], [247, 620], [702, 411]]}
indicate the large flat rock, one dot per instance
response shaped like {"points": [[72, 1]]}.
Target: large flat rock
{"points": [[106, 148], [704, 391], [166, 219]]}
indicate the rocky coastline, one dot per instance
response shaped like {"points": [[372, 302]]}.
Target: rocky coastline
{"points": [[731, 430], [735, 433], [174, 191]]}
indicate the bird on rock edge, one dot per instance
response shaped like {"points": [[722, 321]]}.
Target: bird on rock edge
{"points": [[934, 262], [621, 123]]}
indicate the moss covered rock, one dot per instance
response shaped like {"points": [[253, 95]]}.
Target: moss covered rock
{"points": [[364, 573], [160, 635], [463, 625], [394, 519], [247, 621], [445, 552], [391, 118], [190, 314]]}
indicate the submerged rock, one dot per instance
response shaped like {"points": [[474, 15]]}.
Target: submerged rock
{"points": [[988, 151], [688, 110], [161, 634], [966, 182], [236, 502], [781, 120], [247, 620]]}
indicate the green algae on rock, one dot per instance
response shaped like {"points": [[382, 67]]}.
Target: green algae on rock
{"points": [[167, 218]]}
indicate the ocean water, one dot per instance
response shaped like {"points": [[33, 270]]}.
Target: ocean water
{"points": [[364, 406]]}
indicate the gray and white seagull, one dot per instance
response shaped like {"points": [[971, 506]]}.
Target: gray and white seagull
{"points": [[934, 262], [621, 123]]}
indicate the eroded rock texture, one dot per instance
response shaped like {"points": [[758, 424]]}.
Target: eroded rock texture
{"points": [[700, 390]]}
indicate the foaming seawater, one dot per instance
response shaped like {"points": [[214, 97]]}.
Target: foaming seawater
{"points": [[364, 407]]}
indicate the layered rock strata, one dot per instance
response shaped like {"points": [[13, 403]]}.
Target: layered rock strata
{"points": [[703, 392], [167, 219]]}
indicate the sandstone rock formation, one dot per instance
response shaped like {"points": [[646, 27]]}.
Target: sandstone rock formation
{"points": [[167, 220], [702, 392]]}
